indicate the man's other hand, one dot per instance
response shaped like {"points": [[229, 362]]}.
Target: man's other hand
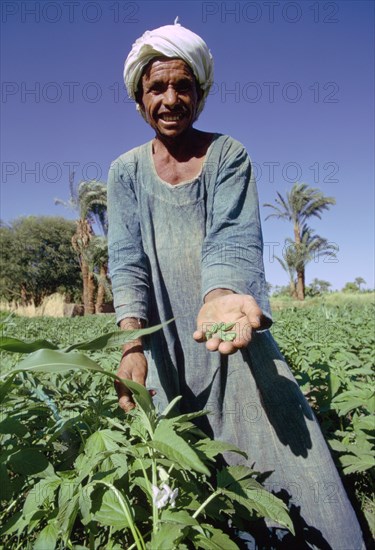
{"points": [[133, 366]]}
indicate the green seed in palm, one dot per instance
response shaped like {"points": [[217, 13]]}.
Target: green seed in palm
{"points": [[229, 336]]}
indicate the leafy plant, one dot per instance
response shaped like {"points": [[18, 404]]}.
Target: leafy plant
{"points": [[331, 353], [90, 480]]}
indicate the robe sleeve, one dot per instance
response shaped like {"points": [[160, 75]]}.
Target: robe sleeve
{"points": [[232, 252], [128, 264]]}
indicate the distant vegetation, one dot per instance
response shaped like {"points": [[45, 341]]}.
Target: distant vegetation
{"points": [[44, 255], [301, 204], [88, 200], [37, 259]]}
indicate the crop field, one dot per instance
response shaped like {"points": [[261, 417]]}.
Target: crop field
{"points": [[74, 475]]}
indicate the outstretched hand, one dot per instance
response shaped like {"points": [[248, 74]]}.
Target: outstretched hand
{"points": [[240, 309]]}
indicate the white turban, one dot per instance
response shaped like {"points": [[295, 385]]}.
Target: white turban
{"points": [[170, 41]]}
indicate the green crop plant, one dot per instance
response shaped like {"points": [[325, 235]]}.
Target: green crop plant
{"points": [[329, 347], [77, 473], [332, 354]]}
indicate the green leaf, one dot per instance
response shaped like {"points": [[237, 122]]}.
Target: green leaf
{"points": [[352, 399], [67, 490], [12, 426], [212, 448], [352, 463], [366, 422], [19, 346], [59, 361], [67, 516], [182, 517], [170, 406], [46, 360], [15, 523], [266, 504], [217, 541], [174, 447], [28, 462], [108, 509], [231, 474], [5, 484], [47, 538], [335, 383], [103, 440], [337, 446], [84, 502], [6, 386], [167, 536], [236, 483], [183, 419], [43, 491], [116, 338]]}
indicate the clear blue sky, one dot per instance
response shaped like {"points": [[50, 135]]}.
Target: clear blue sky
{"points": [[294, 82]]}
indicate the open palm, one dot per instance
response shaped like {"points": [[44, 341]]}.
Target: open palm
{"points": [[240, 309]]}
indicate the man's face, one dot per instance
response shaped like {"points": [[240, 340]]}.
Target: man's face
{"points": [[170, 97]]}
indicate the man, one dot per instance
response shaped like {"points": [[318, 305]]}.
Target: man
{"points": [[185, 242]]}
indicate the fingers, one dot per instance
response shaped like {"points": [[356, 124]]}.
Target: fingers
{"points": [[125, 400], [225, 348], [132, 367], [213, 344], [126, 403], [199, 336]]}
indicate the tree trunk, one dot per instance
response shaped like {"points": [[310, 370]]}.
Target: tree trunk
{"points": [[300, 272], [300, 285], [101, 289], [80, 242], [297, 234], [85, 281], [90, 308], [292, 288], [23, 295]]}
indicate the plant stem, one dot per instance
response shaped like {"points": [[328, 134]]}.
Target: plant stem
{"points": [[91, 540], [123, 501], [145, 535], [155, 515], [204, 504]]}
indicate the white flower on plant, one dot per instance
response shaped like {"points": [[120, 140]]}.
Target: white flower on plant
{"points": [[161, 497]]}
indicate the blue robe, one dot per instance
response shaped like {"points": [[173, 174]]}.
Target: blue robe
{"points": [[169, 245]]}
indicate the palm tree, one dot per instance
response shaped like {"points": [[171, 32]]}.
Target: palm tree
{"points": [[297, 256], [300, 204], [89, 200], [288, 265], [319, 286], [92, 199], [97, 256], [359, 281]]}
